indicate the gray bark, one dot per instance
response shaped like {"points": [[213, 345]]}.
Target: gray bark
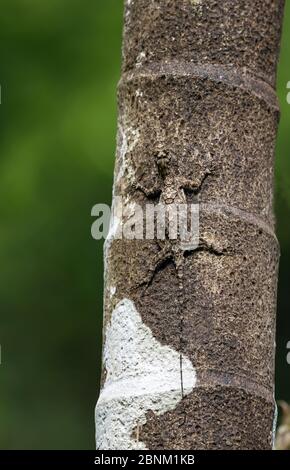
{"points": [[189, 334]]}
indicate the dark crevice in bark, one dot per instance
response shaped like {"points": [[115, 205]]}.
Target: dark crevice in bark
{"points": [[152, 195], [208, 249]]}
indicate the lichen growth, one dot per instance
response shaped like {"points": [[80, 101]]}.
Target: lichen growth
{"points": [[197, 5]]}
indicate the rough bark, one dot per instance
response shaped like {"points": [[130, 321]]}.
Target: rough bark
{"points": [[189, 335]]}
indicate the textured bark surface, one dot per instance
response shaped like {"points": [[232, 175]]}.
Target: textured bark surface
{"points": [[197, 94]]}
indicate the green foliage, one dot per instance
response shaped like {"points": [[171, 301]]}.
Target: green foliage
{"points": [[60, 64]]}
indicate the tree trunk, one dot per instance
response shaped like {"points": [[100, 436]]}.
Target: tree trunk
{"points": [[189, 334]]}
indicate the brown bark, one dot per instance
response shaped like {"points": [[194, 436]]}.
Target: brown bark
{"points": [[198, 93]]}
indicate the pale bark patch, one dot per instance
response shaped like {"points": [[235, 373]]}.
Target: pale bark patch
{"points": [[141, 376]]}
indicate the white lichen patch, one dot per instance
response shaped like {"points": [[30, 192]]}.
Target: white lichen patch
{"points": [[129, 3], [141, 375], [129, 137], [140, 59], [197, 4], [139, 93], [115, 232], [112, 291], [275, 419]]}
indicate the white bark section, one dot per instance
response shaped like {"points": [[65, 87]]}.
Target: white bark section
{"points": [[141, 375], [129, 137], [275, 421]]}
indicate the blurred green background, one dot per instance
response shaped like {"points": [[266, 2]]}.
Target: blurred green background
{"points": [[59, 67]]}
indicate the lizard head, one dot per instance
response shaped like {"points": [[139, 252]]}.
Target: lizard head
{"points": [[163, 159]]}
